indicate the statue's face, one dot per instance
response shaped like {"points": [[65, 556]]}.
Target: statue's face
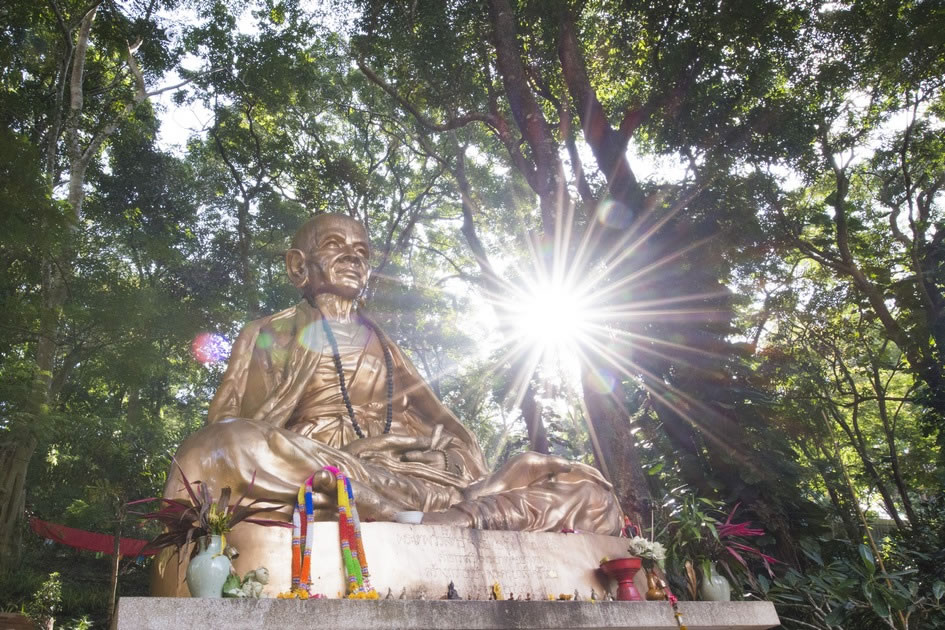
{"points": [[337, 258]]}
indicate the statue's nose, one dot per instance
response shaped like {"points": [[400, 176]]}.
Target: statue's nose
{"points": [[350, 256]]}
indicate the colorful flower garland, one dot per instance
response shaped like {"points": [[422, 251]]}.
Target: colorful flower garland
{"points": [[357, 577]]}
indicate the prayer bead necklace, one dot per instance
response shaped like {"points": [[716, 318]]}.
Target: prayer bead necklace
{"points": [[388, 363]]}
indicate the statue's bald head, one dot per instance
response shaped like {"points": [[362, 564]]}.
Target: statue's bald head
{"points": [[306, 237], [330, 253]]}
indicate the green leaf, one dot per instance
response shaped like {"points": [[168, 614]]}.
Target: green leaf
{"points": [[867, 556], [835, 616], [938, 589], [706, 568], [812, 550], [764, 583], [878, 602], [231, 585]]}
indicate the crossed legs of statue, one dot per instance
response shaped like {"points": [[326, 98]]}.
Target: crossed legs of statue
{"points": [[531, 492], [535, 492], [267, 462]]}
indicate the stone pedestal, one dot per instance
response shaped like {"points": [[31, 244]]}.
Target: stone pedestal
{"points": [[425, 559], [15, 621], [156, 613]]}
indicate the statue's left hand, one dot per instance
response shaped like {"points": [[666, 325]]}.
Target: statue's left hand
{"points": [[395, 445], [525, 469], [437, 458]]}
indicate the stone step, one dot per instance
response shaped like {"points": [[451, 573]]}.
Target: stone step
{"points": [[160, 613]]}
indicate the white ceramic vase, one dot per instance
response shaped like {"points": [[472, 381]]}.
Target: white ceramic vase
{"points": [[715, 588], [209, 569]]}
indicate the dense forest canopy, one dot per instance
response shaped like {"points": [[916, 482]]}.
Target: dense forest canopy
{"points": [[734, 211]]}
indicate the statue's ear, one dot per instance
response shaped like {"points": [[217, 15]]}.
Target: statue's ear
{"points": [[295, 267]]}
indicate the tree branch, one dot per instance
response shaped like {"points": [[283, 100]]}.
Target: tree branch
{"points": [[873, 294], [549, 177], [567, 134], [452, 123], [608, 145]]}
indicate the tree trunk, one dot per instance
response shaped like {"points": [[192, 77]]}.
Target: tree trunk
{"points": [[14, 461], [608, 145], [244, 241], [834, 488], [858, 442], [113, 581], [922, 356], [15, 455], [550, 181], [78, 159], [608, 421], [615, 447], [531, 412], [135, 410], [901, 485], [889, 433]]}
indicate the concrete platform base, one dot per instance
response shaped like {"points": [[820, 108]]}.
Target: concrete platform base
{"points": [[159, 613], [423, 559]]}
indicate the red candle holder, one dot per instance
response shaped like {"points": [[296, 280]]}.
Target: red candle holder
{"points": [[623, 570]]}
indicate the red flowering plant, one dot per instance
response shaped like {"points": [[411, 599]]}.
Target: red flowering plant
{"points": [[733, 538], [697, 537], [186, 521]]}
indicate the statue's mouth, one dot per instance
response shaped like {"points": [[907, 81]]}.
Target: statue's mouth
{"points": [[345, 266], [352, 274]]}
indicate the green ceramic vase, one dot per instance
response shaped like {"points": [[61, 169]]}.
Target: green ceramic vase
{"points": [[715, 588], [208, 569]]}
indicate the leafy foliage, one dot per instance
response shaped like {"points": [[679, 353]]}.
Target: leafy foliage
{"points": [[847, 589], [185, 522], [44, 606], [695, 533], [783, 193]]}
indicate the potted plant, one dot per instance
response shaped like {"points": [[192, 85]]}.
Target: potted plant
{"points": [[204, 521], [699, 540]]}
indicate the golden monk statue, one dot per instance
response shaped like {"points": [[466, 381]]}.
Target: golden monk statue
{"points": [[320, 384]]}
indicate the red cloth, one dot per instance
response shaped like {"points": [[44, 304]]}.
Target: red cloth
{"points": [[90, 541]]}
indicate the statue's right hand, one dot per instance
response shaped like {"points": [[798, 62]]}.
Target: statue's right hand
{"points": [[324, 494], [371, 505]]}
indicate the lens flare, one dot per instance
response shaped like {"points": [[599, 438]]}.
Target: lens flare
{"points": [[210, 348], [601, 380], [312, 337], [550, 317], [591, 309]]}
